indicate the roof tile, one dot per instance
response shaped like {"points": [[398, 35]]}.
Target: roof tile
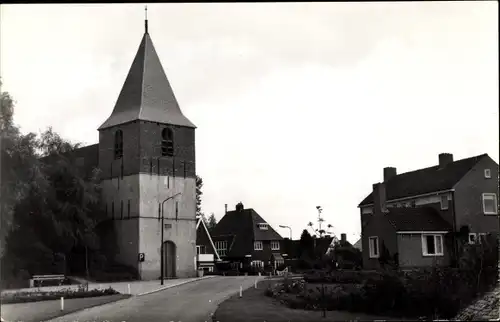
{"points": [[146, 94], [417, 219], [426, 180]]}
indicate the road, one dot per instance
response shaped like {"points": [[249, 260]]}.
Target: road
{"points": [[192, 302]]}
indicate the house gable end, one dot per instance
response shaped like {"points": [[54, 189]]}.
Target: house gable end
{"points": [[201, 228]]}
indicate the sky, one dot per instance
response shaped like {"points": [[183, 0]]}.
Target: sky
{"points": [[296, 104]]}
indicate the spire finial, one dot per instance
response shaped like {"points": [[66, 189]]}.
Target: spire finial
{"points": [[146, 18]]}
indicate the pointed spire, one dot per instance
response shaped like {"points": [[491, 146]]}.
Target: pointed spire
{"points": [[146, 19], [146, 94]]}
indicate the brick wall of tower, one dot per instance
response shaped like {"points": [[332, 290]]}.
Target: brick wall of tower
{"points": [[183, 162], [129, 164], [143, 178], [142, 151]]}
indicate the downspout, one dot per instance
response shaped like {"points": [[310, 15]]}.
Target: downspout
{"points": [[454, 238]]}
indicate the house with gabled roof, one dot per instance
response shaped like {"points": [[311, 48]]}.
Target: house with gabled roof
{"points": [[206, 253], [243, 238], [412, 218]]}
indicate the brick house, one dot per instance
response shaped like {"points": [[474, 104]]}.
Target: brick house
{"points": [[411, 218], [243, 238], [206, 254]]}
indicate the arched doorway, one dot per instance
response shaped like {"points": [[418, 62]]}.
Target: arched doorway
{"points": [[169, 255]]}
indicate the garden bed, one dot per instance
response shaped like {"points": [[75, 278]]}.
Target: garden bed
{"points": [[36, 296], [254, 306], [438, 293]]}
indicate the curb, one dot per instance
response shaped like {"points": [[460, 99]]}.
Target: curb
{"points": [[174, 285]]}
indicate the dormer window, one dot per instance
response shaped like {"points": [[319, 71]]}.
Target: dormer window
{"points": [[487, 173], [167, 142], [263, 226], [118, 144]]}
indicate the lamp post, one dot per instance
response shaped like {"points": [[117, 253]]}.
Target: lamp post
{"points": [[283, 226], [162, 229]]}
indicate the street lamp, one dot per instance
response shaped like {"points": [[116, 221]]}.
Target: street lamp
{"points": [[283, 226], [162, 229]]}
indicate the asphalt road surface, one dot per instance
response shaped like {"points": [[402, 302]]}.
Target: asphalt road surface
{"points": [[191, 302]]}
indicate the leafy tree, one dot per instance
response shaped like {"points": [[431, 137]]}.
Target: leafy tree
{"points": [[59, 211], [306, 245], [199, 193], [48, 205], [17, 158], [211, 222]]}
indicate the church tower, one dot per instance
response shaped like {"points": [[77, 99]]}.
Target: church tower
{"points": [[147, 159]]}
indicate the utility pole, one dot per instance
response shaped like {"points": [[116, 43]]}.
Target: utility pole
{"points": [[320, 220], [162, 255]]}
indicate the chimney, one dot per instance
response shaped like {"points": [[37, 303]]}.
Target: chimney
{"points": [[225, 209], [239, 206], [445, 159], [389, 172], [343, 238], [379, 199]]}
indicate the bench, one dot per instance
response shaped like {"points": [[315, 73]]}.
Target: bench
{"points": [[38, 280]]}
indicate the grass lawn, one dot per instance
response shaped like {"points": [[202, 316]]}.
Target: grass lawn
{"points": [[255, 306], [46, 310]]}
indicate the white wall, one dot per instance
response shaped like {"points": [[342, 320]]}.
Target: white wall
{"points": [[154, 189], [142, 235]]}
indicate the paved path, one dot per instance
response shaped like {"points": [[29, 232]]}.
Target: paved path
{"points": [[191, 302], [44, 310]]}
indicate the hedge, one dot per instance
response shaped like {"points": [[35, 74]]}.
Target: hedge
{"points": [[341, 276], [25, 297]]}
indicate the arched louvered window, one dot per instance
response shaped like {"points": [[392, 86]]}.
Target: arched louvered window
{"points": [[118, 144], [167, 142]]}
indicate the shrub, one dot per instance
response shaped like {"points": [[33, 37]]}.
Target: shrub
{"points": [[383, 294], [341, 276]]}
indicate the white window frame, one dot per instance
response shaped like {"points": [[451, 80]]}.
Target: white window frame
{"points": [[257, 263], [257, 245], [487, 173], [472, 238], [221, 247], [275, 245], [371, 249], [436, 237], [444, 205], [494, 197]]}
